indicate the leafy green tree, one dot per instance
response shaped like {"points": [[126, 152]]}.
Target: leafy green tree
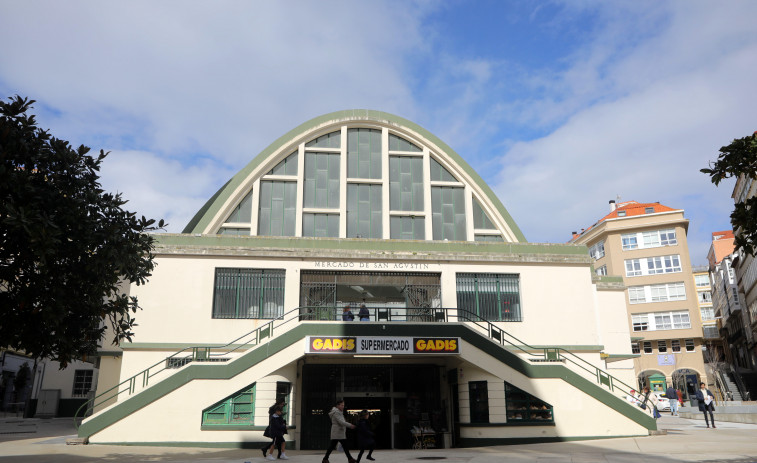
{"points": [[67, 248], [740, 157]]}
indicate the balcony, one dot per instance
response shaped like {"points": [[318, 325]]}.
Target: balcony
{"points": [[710, 332]]}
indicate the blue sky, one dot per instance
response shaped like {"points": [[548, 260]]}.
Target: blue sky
{"points": [[560, 106]]}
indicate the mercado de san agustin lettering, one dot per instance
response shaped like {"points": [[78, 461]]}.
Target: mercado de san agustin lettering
{"points": [[470, 334]]}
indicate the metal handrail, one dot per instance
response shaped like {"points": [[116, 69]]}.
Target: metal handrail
{"points": [[740, 384], [551, 354], [315, 313], [198, 352]]}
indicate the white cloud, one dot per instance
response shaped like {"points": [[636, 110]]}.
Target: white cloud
{"points": [[161, 188], [671, 103]]}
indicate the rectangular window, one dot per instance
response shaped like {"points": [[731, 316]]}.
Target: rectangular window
{"points": [[597, 251], [364, 153], [662, 321], [283, 392], [681, 320], [649, 210], [659, 293], [635, 348], [653, 265], [675, 345], [649, 239], [636, 295], [633, 268], [405, 183], [248, 293], [705, 297], [708, 313], [407, 228], [629, 241], [321, 180], [656, 321], [82, 383], [689, 345], [278, 205], [479, 401], [491, 296], [640, 322], [647, 347], [601, 270], [364, 206], [523, 407], [702, 280], [662, 346], [448, 213]]}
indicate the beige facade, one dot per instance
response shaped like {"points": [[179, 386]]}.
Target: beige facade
{"points": [[646, 245], [470, 329]]}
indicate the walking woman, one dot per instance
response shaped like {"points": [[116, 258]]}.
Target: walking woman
{"points": [[339, 431]]}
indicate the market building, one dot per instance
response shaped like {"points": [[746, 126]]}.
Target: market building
{"points": [[473, 335]]}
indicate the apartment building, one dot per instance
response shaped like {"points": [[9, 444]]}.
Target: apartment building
{"points": [[740, 324], [646, 244]]}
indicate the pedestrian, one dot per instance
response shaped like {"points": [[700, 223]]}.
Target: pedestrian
{"points": [[339, 432], [365, 437], [650, 398], [706, 403], [672, 396], [279, 444], [347, 315], [363, 313]]}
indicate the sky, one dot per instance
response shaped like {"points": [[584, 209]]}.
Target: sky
{"points": [[561, 106]]}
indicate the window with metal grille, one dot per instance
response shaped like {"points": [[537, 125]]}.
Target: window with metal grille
{"points": [[635, 349], [237, 409], [448, 213], [478, 392], [248, 293], [491, 296], [82, 383]]}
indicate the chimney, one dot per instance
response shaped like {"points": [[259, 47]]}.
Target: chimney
{"points": [[612, 205], [575, 235]]}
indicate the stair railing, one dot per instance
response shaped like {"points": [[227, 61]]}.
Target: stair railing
{"points": [[548, 354], [179, 359]]}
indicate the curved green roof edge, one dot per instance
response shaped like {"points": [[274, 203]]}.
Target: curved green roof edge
{"points": [[210, 208]]}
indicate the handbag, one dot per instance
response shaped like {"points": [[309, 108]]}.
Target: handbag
{"points": [[643, 406], [267, 432]]}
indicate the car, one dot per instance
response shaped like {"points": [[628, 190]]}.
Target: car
{"points": [[663, 404]]}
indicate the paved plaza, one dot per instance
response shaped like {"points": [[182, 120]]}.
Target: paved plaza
{"points": [[37, 441]]}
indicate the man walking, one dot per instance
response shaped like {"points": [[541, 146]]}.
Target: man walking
{"points": [[672, 396]]}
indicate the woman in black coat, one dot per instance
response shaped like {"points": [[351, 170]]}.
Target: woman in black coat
{"points": [[365, 437], [703, 394]]}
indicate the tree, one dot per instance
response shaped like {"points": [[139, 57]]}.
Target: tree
{"points": [[739, 158], [67, 248]]}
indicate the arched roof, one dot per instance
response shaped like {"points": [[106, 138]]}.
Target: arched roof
{"points": [[208, 216]]}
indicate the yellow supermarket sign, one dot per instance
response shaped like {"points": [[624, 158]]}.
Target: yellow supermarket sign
{"points": [[366, 345]]}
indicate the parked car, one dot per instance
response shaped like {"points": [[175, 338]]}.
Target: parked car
{"points": [[663, 403]]}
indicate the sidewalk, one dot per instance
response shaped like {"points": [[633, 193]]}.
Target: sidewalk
{"points": [[687, 440]]}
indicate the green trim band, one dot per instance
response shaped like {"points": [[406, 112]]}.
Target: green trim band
{"points": [[180, 345], [380, 249]]}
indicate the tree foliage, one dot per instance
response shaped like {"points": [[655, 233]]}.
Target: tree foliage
{"points": [[67, 248], [739, 158]]}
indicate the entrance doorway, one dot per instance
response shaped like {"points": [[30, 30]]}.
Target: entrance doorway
{"points": [[397, 397]]}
